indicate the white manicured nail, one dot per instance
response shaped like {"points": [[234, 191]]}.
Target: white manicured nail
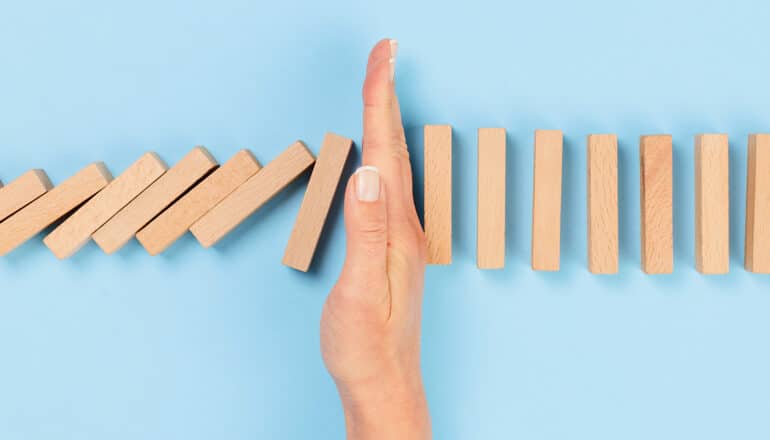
{"points": [[368, 184]]}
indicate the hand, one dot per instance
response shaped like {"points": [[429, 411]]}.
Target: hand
{"points": [[370, 328]]}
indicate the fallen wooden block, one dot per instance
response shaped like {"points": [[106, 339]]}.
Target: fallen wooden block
{"points": [[602, 203], [657, 228], [318, 198], [114, 234], [51, 206], [546, 200], [712, 204], [438, 193], [75, 232], [757, 249], [22, 191], [254, 193], [177, 219], [490, 228]]}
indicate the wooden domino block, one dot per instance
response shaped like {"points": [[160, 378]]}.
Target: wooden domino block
{"points": [[317, 201], [757, 250], [490, 228], [22, 191], [712, 204], [114, 234], [254, 193], [177, 219], [657, 228], [75, 232], [438, 193], [602, 203], [546, 200], [51, 206]]}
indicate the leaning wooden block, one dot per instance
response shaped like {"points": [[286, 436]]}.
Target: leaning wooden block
{"points": [[657, 228], [129, 220], [546, 200], [254, 193], [177, 219], [20, 192], [52, 205], [712, 204], [71, 235], [438, 193], [757, 258], [317, 201], [603, 203], [490, 228]]}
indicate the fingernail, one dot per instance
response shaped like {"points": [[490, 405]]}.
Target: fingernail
{"points": [[368, 184], [392, 60]]}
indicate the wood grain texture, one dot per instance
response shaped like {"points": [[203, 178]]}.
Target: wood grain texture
{"points": [[490, 227], [165, 229], [75, 232], [712, 204], [546, 200], [157, 197], [254, 193], [602, 203], [53, 205], [438, 193], [22, 191], [657, 225], [757, 249], [311, 218]]}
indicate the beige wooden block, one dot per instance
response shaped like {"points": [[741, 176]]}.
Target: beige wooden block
{"points": [[657, 225], [254, 193], [177, 219], [438, 193], [712, 204], [51, 206], [546, 200], [75, 232], [602, 203], [152, 201], [318, 199], [22, 191], [757, 250], [490, 227]]}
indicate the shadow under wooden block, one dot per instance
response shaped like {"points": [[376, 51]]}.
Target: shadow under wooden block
{"points": [[23, 191], [657, 225], [546, 200]]}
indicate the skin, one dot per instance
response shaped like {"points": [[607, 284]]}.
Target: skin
{"points": [[370, 327]]}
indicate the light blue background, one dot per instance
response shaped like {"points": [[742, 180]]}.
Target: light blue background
{"points": [[223, 343]]}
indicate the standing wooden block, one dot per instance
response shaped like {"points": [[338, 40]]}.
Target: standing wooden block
{"points": [[317, 201], [51, 206], [254, 193], [71, 235], [120, 228], [656, 163], [490, 228], [176, 220], [22, 191], [757, 258], [546, 200], [438, 193], [712, 204], [603, 203]]}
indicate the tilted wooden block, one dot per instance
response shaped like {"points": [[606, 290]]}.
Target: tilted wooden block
{"points": [[490, 228], [254, 193], [177, 219], [712, 204], [151, 202], [318, 198], [602, 203], [546, 200], [657, 228], [757, 251], [22, 191], [51, 206], [75, 232], [438, 192]]}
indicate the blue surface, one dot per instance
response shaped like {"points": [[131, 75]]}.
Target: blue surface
{"points": [[223, 343]]}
